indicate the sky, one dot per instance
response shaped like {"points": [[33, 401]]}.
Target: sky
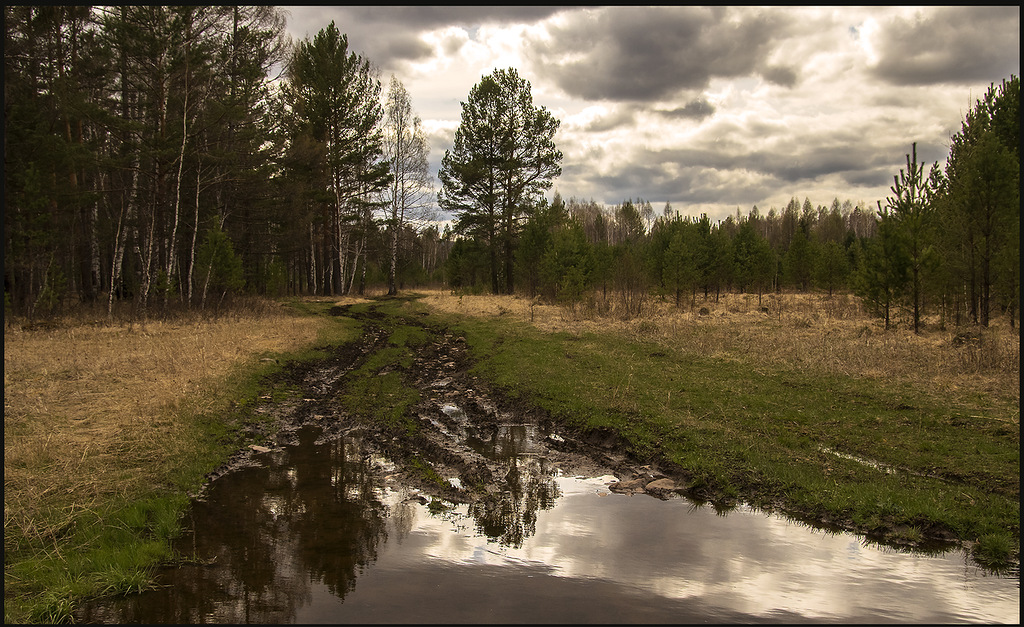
{"points": [[710, 109]]}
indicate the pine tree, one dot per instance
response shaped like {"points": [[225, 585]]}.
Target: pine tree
{"points": [[882, 268], [503, 158], [911, 208], [335, 99], [982, 200]]}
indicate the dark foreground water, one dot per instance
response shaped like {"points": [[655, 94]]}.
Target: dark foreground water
{"points": [[320, 532]]}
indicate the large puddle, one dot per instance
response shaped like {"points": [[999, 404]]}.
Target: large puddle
{"points": [[320, 531]]}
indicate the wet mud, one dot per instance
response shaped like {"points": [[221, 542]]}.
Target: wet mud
{"points": [[464, 427]]}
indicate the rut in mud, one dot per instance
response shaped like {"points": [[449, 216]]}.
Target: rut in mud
{"points": [[461, 443]]}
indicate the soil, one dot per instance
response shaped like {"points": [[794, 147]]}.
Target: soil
{"points": [[440, 372]]}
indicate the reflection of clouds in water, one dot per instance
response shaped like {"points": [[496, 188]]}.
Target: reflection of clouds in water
{"points": [[746, 561], [305, 538]]}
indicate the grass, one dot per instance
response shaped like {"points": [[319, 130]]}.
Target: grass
{"points": [[900, 436], [109, 427], [377, 389]]}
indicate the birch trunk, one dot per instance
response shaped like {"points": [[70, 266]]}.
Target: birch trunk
{"points": [[355, 262], [177, 188], [192, 250], [124, 218], [342, 261]]}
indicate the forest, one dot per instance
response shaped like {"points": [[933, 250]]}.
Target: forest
{"points": [[165, 158]]}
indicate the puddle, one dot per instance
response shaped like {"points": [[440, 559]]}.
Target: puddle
{"points": [[861, 460], [320, 531]]}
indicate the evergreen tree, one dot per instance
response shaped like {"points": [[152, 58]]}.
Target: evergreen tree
{"points": [[832, 268], [503, 158], [743, 246], [982, 199], [567, 264], [753, 259], [335, 99], [799, 261], [220, 267], [535, 241], [629, 277], [681, 260], [882, 270], [911, 208]]}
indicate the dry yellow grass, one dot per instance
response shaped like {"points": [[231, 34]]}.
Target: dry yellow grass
{"points": [[807, 331], [90, 411]]}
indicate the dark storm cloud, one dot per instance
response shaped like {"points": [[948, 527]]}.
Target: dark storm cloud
{"points": [[725, 174], [687, 186], [693, 110], [621, 117], [950, 45], [651, 53], [426, 17], [782, 76]]}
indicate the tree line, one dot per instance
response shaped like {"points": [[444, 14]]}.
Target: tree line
{"points": [[946, 240], [169, 157]]}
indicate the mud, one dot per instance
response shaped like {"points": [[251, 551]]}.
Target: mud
{"points": [[456, 411]]}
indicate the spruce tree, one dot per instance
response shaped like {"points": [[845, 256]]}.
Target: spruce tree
{"points": [[911, 208]]}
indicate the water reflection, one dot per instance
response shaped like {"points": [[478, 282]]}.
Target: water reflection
{"points": [[316, 535], [265, 536], [509, 516]]}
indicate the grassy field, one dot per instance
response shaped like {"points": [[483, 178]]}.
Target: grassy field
{"points": [[109, 427], [814, 410], [810, 408]]}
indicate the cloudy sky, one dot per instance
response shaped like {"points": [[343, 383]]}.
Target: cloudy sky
{"points": [[708, 108]]}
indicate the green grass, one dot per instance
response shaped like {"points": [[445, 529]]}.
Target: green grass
{"points": [[107, 550], [110, 551], [906, 462], [377, 389]]}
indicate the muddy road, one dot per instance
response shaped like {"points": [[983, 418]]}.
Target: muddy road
{"points": [[462, 428]]}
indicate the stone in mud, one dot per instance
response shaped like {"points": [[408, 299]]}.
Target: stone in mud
{"points": [[628, 487], [661, 487]]}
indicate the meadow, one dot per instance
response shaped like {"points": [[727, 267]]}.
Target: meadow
{"points": [[798, 402]]}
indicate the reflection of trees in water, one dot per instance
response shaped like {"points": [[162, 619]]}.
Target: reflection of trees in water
{"points": [[510, 517], [266, 533], [403, 516], [343, 521]]}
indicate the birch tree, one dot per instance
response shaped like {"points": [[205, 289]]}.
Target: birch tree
{"points": [[406, 150]]}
